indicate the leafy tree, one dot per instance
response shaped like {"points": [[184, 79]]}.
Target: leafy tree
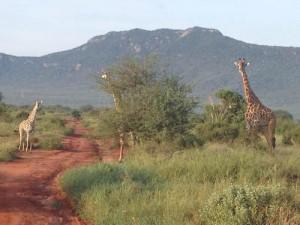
{"points": [[160, 111], [233, 105], [223, 121], [153, 105]]}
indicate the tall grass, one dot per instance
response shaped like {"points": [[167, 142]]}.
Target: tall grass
{"points": [[155, 189]]}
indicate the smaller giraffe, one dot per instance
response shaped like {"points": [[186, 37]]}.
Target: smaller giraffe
{"points": [[117, 100], [259, 118], [27, 126]]}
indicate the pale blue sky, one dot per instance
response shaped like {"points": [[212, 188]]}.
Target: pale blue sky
{"points": [[38, 27]]}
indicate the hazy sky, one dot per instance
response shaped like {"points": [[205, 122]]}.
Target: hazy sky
{"points": [[37, 27]]}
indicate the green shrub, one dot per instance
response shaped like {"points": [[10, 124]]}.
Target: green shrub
{"points": [[218, 132], [222, 122], [188, 141], [7, 129], [76, 114], [8, 147], [245, 205]]}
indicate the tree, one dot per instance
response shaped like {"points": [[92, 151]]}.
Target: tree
{"points": [[223, 121], [153, 105], [233, 105]]}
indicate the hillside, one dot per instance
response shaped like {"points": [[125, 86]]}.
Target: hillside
{"points": [[203, 57]]}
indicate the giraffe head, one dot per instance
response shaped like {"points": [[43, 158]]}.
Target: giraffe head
{"points": [[104, 75], [241, 64], [38, 104]]}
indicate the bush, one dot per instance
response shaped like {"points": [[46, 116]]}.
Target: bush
{"points": [[76, 114], [245, 205], [222, 122], [8, 149], [7, 129], [218, 132]]}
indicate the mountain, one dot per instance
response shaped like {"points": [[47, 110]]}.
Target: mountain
{"points": [[203, 57]]}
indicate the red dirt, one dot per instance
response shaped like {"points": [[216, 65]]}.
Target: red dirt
{"points": [[29, 192]]}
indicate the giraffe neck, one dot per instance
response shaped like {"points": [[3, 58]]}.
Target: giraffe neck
{"points": [[117, 101], [116, 96], [32, 114], [250, 96]]}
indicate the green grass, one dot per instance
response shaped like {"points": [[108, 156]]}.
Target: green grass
{"points": [[155, 189]]}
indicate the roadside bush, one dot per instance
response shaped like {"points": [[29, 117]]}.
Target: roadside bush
{"points": [[8, 149], [76, 114], [6, 129], [245, 205]]}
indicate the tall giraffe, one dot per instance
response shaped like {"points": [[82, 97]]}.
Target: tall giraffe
{"points": [[259, 118], [117, 101], [27, 126]]}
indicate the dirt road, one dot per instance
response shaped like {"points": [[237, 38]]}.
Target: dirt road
{"points": [[29, 194]]}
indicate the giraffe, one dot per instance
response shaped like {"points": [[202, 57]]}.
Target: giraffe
{"points": [[259, 118], [117, 101], [27, 126]]}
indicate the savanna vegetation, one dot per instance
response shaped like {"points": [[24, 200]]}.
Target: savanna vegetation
{"points": [[186, 167], [49, 130]]}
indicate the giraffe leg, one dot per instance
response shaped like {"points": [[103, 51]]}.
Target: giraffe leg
{"points": [[271, 130], [266, 134], [269, 133], [121, 147], [27, 141], [21, 137]]}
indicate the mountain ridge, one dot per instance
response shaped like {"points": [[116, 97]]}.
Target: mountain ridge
{"points": [[203, 57]]}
